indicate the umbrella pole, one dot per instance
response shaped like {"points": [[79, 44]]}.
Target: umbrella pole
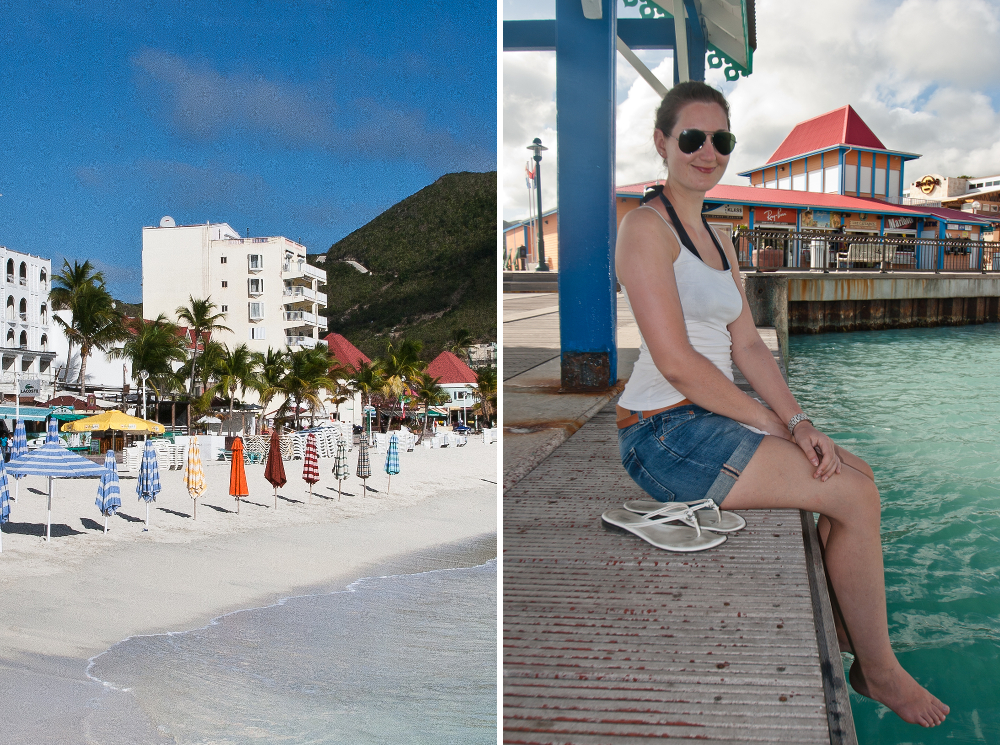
{"points": [[275, 497], [105, 523], [196, 509], [340, 489], [388, 484], [48, 515], [147, 515], [17, 485]]}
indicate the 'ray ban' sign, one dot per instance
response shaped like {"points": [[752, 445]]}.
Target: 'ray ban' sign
{"points": [[775, 214]]}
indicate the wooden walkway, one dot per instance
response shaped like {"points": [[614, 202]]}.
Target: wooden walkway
{"points": [[609, 640]]}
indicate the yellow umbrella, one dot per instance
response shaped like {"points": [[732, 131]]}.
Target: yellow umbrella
{"points": [[194, 475], [115, 420]]}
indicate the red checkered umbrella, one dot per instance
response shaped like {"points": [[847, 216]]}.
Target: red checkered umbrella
{"points": [[310, 466]]}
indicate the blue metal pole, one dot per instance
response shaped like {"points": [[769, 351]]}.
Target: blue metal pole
{"points": [[585, 121]]}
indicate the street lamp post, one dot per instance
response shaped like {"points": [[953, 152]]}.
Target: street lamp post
{"points": [[536, 147], [144, 375]]}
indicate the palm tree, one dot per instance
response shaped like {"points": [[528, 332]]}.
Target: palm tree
{"points": [[96, 324], [400, 366], [66, 287], [199, 316], [460, 342], [486, 392], [153, 346], [271, 367], [367, 380], [237, 370], [307, 375], [428, 392]]}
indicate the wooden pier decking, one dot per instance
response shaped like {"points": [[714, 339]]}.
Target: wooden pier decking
{"points": [[609, 640]]}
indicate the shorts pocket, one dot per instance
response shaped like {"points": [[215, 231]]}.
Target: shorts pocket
{"points": [[648, 483]]}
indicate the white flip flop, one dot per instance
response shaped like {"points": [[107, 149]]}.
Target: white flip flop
{"points": [[714, 520], [661, 533]]}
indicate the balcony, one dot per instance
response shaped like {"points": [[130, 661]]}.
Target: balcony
{"points": [[301, 316], [306, 342], [298, 294]]}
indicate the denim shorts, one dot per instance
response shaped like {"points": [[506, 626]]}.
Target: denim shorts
{"points": [[686, 453]]}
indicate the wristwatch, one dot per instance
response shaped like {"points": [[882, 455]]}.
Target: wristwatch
{"points": [[796, 420]]}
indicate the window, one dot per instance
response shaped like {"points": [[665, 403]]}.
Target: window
{"points": [[256, 311], [850, 179], [256, 332], [256, 285], [222, 259], [865, 182], [893, 183], [799, 182], [225, 284], [23, 310], [880, 181], [831, 179], [225, 308], [256, 262], [785, 183], [816, 181]]}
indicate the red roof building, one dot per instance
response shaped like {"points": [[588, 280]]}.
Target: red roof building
{"points": [[451, 370], [344, 352], [834, 153]]}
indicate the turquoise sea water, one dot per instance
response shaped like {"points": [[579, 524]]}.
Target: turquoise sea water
{"points": [[400, 659], [922, 406]]}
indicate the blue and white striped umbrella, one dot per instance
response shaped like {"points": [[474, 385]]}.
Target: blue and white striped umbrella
{"points": [[148, 483], [52, 434], [18, 448], [4, 499], [56, 462], [109, 491]]}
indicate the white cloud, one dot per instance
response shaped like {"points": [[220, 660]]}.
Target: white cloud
{"points": [[921, 73]]}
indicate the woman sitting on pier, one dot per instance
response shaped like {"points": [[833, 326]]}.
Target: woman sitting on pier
{"points": [[685, 428]]}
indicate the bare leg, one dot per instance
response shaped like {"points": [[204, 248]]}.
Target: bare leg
{"points": [[779, 477]]}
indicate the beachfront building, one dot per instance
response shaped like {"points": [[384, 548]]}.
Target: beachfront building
{"points": [[980, 196], [271, 296], [457, 380], [27, 331], [351, 358], [521, 243], [834, 153]]}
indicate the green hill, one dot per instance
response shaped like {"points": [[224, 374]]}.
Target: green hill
{"points": [[433, 268]]}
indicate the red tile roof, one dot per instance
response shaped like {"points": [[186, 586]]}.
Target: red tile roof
{"points": [[840, 127], [786, 198], [345, 352], [450, 369]]}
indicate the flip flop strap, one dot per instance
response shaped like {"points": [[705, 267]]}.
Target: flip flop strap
{"points": [[687, 517]]}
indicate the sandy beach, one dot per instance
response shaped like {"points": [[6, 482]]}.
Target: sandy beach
{"points": [[70, 599]]}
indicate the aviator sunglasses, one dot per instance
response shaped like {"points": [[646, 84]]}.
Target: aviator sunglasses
{"points": [[692, 140]]}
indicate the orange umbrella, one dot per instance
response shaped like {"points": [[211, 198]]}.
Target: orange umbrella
{"points": [[238, 475]]}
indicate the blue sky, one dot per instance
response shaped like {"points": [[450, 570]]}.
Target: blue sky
{"points": [[303, 119]]}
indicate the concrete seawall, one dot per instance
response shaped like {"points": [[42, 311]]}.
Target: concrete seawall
{"points": [[810, 303]]}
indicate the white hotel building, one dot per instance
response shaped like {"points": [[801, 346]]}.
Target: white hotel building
{"points": [[270, 295], [27, 318]]}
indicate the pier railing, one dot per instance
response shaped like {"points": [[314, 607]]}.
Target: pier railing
{"points": [[769, 250]]}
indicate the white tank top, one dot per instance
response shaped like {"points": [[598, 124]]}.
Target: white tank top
{"points": [[711, 301]]}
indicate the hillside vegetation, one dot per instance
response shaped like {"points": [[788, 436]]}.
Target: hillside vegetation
{"points": [[432, 259]]}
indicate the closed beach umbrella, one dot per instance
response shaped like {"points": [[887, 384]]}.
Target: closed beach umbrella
{"points": [[194, 474], [52, 433], [392, 460], [4, 501], [340, 468], [55, 462], [109, 490], [18, 448], [274, 471], [148, 483], [238, 475], [310, 464], [364, 471]]}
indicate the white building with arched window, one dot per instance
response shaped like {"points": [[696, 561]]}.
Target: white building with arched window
{"points": [[27, 333]]}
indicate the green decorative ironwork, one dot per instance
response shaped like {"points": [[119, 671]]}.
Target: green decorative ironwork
{"points": [[734, 70], [647, 8]]}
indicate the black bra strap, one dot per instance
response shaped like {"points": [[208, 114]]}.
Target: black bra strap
{"points": [[686, 239]]}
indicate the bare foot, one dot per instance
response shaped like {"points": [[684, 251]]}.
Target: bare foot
{"points": [[901, 693]]}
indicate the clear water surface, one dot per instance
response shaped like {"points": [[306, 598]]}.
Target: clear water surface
{"points": [[402, 659], [922, 406]]}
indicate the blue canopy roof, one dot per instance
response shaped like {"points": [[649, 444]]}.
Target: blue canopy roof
{"points": [[28, 413]]}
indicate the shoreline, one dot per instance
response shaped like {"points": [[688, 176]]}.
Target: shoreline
{"points": [[41, 688]]}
